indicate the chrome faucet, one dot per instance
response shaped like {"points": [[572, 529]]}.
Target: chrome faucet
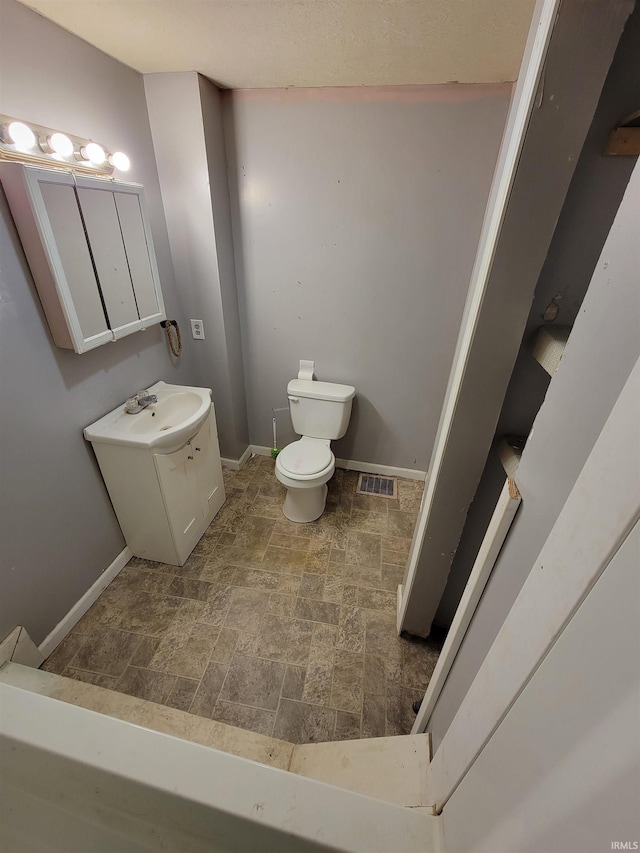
{"points": [[141, 400]]}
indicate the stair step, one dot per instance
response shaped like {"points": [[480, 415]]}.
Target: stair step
{"points": [[393, 769], [150, 715]]}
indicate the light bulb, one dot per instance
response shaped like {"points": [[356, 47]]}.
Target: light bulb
{"points": [[120, 161], [60, 144], [21, 135], [94, 153]]}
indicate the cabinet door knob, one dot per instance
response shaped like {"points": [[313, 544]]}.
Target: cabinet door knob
{"points": [[198, 449], [189, 457]]}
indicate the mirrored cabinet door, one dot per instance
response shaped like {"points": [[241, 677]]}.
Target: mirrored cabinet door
{"points": [[140, 255], [68, 252], [88, 243], [103, 232]]}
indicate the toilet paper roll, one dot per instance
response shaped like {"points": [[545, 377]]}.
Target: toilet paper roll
{"points": [[306, 370]]}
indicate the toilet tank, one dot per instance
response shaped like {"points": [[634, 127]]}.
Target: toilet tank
{"points": [[320, 409]]}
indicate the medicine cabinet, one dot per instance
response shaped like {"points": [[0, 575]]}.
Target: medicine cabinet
{"points": [[88, 243]]}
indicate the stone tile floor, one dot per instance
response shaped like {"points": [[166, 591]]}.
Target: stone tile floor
{"points": [[281, 628]]}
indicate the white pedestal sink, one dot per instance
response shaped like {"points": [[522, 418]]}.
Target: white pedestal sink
{"points": [[163, 426], [162, 470]]}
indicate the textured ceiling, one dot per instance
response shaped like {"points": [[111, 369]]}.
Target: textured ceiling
{"points": [[279, 43]]}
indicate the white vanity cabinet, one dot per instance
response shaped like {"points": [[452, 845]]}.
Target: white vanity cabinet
{"points": [[89, 247], [164, 501]]}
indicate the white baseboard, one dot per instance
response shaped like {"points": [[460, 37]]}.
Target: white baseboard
{"points": [[81, 606], [259, 450], [384, 470], [237, 464], [364, 467]]}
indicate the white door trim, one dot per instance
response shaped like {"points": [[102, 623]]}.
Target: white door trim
{"points": [[501, 521], [515, 132], [600, 511]]}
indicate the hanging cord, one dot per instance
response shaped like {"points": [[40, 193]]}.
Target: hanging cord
{"points": [[174, 345]]}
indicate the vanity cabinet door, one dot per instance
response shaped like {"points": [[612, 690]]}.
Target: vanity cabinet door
{"points": [[192, 486], [207, 469], [176, 478]]}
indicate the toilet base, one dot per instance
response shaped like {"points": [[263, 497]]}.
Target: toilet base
{"points": [[304, 505]]}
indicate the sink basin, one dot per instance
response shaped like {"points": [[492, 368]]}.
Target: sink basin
{"points": [[163, 426]]}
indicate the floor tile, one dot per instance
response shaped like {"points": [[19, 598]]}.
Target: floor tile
{"points": [[298, 722], [146, 684], [246, 608], [206, 696], [282, 638], [367, 521], [191, 588], [186, 655], [281, 605], [225, 645], [245, 717], [363, 549], [254, 534], [377, 599], [311, 585], [182, 693], [346, 689], [351, 629], [293, 684], [318, 611], [149, 614], [419, 659], [271, 626], [347, 726], [145, 651], [374, 715], [255, 579], [107, 681], [381, 635], [106, 651], [401, 524], [251, 681], [287, 540], [400, 715], [287, 560], [64, 653], [318, 680]]}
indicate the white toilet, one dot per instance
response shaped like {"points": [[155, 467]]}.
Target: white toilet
{"points": [[320, 412]]}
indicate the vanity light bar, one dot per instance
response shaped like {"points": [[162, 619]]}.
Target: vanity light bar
{"points": [[34, 143]]}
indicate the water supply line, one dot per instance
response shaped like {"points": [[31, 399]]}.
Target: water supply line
{"points": [[275, 450]]}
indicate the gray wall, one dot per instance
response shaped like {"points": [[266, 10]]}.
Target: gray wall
{"points": [[356, 218], [602, 350], [562, 771], [58, 530], [195, 192]]}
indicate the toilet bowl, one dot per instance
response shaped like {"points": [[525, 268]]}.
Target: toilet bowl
{"points": [[320, 412], [305, 467]]}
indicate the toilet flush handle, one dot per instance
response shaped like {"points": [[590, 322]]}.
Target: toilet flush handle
{"points": [[294, 399]]}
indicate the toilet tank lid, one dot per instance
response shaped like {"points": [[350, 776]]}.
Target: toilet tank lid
{"points": [[321, 390]]}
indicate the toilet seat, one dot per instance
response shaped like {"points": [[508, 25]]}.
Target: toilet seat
{"points": [[305, 459]]}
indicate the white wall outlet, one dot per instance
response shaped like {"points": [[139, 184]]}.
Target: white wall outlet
{"points": [[197, 329]]}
